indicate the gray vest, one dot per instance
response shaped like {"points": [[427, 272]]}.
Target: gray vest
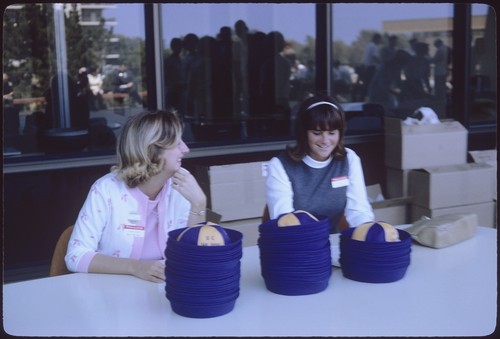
{"points": [[313, 190]]}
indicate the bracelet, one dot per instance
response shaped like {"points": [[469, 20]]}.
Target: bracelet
{"points": [[202, 212]]}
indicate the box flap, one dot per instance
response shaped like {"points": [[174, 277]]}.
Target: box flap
{"points": [[471, 166], [391, 202], [486, 156], [374, 193], [396, 126]]}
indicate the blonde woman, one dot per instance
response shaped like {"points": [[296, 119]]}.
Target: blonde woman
{"points": [[123, 225]]}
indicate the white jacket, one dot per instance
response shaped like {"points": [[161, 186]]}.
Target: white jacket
{"points": [[113, 218]]}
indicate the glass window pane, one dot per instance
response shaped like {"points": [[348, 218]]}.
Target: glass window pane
{"points": [[61, 72], [484, 65], [388, 59], [239, 72]]}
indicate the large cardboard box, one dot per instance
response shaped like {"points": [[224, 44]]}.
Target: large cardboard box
{"points": [[489, 157], [418, 146], [394, 211], [396, 182], [249, 228], [486, 212], [446, 186], [236, 191]]}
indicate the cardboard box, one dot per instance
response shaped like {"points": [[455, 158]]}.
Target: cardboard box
{"points": [[236, 191], [486, 212], [396, 181], [489, 157], [418, 146], [394, 211], [447, 186], [249, 228]]}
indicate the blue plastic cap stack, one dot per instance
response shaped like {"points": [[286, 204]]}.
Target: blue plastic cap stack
{"points": [[202, 270], [295, 253], [374, 252]]}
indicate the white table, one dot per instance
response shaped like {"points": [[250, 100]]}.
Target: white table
{"points": [[445, 292]]}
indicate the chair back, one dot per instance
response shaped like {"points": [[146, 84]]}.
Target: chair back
{"points": [[58, 264], [265, 214]]}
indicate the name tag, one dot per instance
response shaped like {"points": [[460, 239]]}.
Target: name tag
{"points": [[340, 182], [134, 218], [133, 230]]}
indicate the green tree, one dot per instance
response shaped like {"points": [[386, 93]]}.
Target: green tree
{"points": [[85, 44], [341, 51], [308, 51], [26, 48], [76, 44], [358, 47], [29, 46], [132, 53]]}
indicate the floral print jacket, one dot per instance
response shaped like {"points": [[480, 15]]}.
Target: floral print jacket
{"points": [[112, 221]]}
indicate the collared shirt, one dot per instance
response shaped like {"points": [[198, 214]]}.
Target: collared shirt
{"points": [[279, 192]]}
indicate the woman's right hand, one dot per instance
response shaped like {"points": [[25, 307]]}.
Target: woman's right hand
{"points": [[152, 270], [185, 183]]}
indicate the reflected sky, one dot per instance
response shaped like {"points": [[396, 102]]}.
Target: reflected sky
{"points": [[295, 20]]}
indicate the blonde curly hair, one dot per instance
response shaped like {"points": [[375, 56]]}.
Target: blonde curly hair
{"points": [[142, 140]]}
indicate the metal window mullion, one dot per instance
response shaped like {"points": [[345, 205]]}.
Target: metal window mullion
{"points": [[62, 66]]}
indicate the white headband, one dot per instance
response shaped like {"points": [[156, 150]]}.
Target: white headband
{"points": [[322, 103]]}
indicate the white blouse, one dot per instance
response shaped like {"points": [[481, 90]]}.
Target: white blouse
{"points": [[279, 193]]}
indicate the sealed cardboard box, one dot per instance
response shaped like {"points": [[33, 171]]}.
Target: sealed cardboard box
{"points": [[486, 212], [489, 157], [236, 191], [394, 211], [418, 146], [396, 182], [249, 228], [446, 186]]}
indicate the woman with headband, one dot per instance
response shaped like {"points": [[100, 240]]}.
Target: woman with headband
{"points": [[318, 174]]}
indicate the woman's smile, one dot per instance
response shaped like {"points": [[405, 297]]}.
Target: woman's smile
{"points": [[322, 143]]}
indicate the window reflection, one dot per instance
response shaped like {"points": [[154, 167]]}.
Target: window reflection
{"points": [[240, 73], [237, 75], [393, 60], [61, 66], [484, 65]]}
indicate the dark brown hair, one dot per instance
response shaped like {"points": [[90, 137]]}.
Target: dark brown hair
{"points": [[320, 112]]}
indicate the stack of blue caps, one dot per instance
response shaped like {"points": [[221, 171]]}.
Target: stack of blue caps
{"points": [[202, 270], [295, 253], [374, 252]]}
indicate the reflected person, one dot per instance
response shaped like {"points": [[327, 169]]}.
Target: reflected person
{"points": [[124, 82]]}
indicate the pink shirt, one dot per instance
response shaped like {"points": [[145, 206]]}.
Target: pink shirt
{"points": [[151, 250]]}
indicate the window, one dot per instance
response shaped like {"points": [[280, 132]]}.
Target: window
{"points": [[72, 74], [239, 73], [483, 64], [393, 59]]}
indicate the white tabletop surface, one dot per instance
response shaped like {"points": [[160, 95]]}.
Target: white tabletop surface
{"points": [[445, 292]]}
